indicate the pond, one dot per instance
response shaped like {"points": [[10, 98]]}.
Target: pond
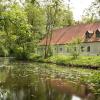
{"points": [[21, 80]]}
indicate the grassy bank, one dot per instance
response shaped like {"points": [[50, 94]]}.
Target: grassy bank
{"points": [[85, 76], [81, 61]]}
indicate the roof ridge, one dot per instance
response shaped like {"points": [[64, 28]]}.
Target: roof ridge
{"points": [[77, 25]]}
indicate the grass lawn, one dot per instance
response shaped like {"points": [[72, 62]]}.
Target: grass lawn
{"points": [[81, 60]]}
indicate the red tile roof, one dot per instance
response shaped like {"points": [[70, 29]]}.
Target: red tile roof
{"points": [[67, 34]]}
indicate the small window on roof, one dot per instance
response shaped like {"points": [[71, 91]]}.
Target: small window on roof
{"points": [[89, 34], [98, 33]]}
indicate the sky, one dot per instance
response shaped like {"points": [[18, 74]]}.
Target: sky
{"points": [[78, 7]]}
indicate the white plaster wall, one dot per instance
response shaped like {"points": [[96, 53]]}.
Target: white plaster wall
{"points": [[59, 49], [56, 49], [94, 48]]}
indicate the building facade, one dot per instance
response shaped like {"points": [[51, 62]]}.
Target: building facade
{"points": [[61, 41]]}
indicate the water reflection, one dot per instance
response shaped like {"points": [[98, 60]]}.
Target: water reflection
{"points": [[32, 81]]}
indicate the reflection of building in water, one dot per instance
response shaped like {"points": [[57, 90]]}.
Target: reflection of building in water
{"points": [[76, 98]]}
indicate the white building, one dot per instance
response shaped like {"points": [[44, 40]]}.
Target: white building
{"points": [[89, 34]]}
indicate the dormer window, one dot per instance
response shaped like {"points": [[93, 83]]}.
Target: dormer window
{"points": [[89, 34], [98, 33]]}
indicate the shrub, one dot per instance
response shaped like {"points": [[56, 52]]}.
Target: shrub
{"points": [[34, 57]]}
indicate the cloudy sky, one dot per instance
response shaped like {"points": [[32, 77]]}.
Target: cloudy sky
{"points": [[78, 7]]}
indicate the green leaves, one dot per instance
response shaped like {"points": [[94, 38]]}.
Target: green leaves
{"points": [[37, 19], [92, 14], [25, 25], [17, 31]]}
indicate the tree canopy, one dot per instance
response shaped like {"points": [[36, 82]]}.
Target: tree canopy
{"points": [[24, 24], [92, 14]]}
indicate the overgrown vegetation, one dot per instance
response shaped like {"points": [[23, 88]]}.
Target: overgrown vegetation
{"points": [[24, 24], [92, 14], [84, 61], [73, 47]]}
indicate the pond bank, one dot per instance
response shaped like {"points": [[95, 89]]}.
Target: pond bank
{"points": [[22, 73], [90, 62]]}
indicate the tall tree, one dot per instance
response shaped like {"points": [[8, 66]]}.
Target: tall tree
{"points": [[36, 17], [92, 14], [57, 16]]}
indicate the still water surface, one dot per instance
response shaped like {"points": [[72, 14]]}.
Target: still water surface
{"points": [[36, 81]]}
